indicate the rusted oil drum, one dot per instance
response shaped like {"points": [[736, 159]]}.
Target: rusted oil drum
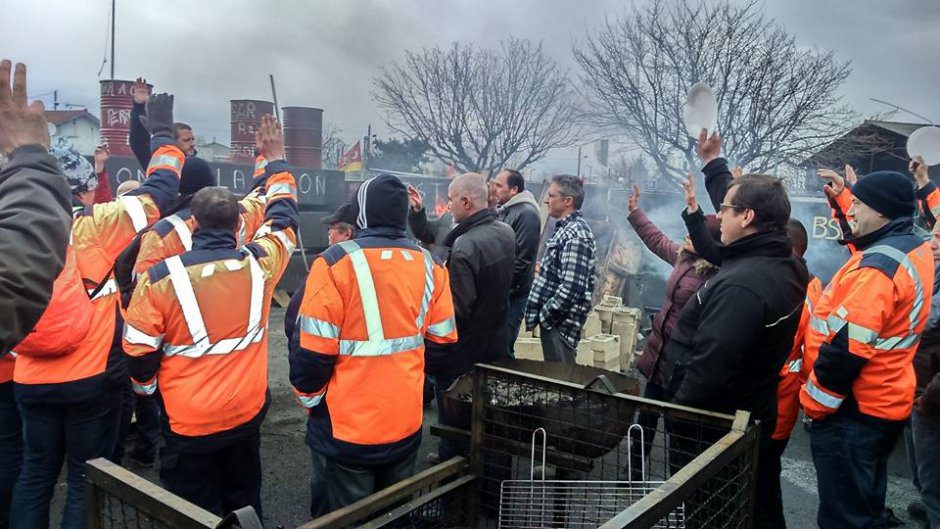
{"points": [[246, 116], [303, 136]]}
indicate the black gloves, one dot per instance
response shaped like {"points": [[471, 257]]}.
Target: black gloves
{"points": [[159, 118]]}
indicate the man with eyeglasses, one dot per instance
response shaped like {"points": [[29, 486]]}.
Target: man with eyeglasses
{"points": [[733, 337], [561, 294]]}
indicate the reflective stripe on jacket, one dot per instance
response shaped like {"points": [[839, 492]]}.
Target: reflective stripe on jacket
{"points": [[98, 237], [793, 374], [368, 306], [196, 327], [864, 330]]}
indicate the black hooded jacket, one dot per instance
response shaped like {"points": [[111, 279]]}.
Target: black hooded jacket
{"points": [[733, 336]]}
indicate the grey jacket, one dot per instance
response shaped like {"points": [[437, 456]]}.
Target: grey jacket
{"points": [[35, 221], [521, 212]]}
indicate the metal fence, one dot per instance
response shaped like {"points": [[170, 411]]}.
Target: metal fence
{"points": [[593, 468]]}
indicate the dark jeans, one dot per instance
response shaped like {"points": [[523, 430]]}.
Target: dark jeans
{"points": [[146, 429], [768, 502], [555, 348], [648, 420], [11, 449], [851, 459], [514, 319], [447, 448], [926, 433], [219, 481], [335, 485], [53, 434]]}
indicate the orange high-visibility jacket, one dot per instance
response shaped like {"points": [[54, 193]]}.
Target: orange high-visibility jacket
{"points": [[928, 203], [197, 324], [98, 237], [792, 375], [173, 234], [368, 306], [864, 330]]}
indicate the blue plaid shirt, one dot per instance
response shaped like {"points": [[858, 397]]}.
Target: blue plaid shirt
{"points": [[561, 294]]}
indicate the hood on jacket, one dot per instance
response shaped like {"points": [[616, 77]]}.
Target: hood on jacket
{"points": [[521, 198], [381, 202]]}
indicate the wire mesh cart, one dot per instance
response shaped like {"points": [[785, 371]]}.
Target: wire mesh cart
{"points": [[683, 468]]}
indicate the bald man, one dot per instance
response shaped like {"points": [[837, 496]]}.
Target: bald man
{"points": [[481, 264]]}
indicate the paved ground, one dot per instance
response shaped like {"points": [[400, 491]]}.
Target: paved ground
{"points": [[286, 460]]}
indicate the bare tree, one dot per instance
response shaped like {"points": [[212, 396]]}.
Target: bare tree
{"points": [[479, 108], [777, 102], [333, 145]]}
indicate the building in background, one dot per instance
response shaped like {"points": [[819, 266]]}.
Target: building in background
{"points": [[212, 151], [78, 127]]}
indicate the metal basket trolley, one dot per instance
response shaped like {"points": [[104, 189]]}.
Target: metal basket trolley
{"points": [[547, 503]]}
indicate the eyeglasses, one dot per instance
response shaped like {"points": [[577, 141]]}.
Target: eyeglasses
{"points": [[723, 207]]}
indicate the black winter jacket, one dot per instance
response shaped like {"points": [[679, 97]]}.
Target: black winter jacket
{"points": [[35, 221], [480, 265], [734, 335], [521, 213]]}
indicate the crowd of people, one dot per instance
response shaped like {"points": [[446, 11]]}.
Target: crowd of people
{"points": [[111, 311]]}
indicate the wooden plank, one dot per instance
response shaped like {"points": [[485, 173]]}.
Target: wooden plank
{"points": [[146, 497], [375, 503], [411, 506]]}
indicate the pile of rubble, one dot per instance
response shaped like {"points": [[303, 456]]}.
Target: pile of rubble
{"points": [[609, 337]]}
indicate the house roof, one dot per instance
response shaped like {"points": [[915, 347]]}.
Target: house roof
{"points": [[864, 140], [60, 117], [898, 127]]}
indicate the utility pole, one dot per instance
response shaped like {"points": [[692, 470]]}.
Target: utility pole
{"points": [[113, 4], [55, 100], [578, 174]]}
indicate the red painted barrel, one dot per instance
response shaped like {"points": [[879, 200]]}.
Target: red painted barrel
{"points": [[303, 136], [116, 103], [246, 116]]}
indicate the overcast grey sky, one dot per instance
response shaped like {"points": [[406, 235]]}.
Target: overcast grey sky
{"points": [[324, 53]]}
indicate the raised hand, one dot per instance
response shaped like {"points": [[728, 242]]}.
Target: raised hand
{"points": [[921, 172], [834, 182], [270, 138], [737, 171], [708, 147], [101, 156], [850, 175], [159, 118], [689, 185], [141, 91], [414, 198], [633, 203], [20, 124]]}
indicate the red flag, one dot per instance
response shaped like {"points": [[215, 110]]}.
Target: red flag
{"points": [[351, 160]]}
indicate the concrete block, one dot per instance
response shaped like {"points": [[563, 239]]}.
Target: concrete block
{"points": [[606, 316], [611, 301], [585, 354], [592, 325], [529, 348], [606, 348], [626, 324]]}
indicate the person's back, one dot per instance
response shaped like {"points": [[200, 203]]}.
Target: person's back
{"points": [[368, 305], [196, 328]]}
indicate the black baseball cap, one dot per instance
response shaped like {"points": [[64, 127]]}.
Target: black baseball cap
{"points": [[343, 214]]}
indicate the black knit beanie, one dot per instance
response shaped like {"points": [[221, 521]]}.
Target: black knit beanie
{"points": [[381, 202], [196, 175], [887, 192]]}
